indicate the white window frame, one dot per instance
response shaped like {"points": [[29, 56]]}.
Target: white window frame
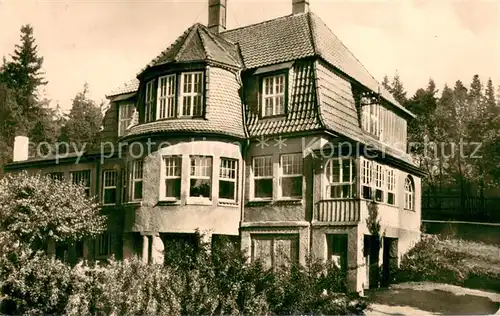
{"points": [[391, 185], [80, 174], [228, 167], [169, 172], [292, 173], [365, 113], [166, 97], [101, 240], [255, 168], [191, 94], [328, 178], [137, 174], [409, 194], [203, 171], [105, 186], [273, 96], [125, 121], [149, 100], [379, 181], [366, 177]]}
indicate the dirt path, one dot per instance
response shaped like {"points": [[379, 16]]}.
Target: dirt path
{"points": [[426, 298]]}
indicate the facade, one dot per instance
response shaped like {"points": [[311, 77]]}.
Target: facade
{"points": [[273, 133]]}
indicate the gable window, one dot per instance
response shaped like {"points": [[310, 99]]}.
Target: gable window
{"points": [[263, 177], [126, 117], [192, 94], [173, 165], [83, 178], [109, 181], [340, 179], [166, 97], [275, 251], [103, 245], [273, 95], [56, 176], [149, 101], [227, 179], [370, 116], [379, 182], [201, 177], [391, 186], [366, 179], [291, 176], [136, 185], [409, 194]]}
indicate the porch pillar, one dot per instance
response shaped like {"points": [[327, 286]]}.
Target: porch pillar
{"points": [[145, 249]]}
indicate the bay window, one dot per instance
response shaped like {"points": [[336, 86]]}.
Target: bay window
{"points": [[340, 179], [227, 179], [291, 176], [136, 185], [273, 95], [391, 186], [201, 177], [409, 194], [83, 178], [149, 101], [126, 115], [109, 191], [263, 177], [166, 97], [366, 179], [379, 182], [192, 94], [172, 177]]}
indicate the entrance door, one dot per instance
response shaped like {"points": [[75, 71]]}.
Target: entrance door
{"points": [[337, 250], [371, 249], [390, 260]]}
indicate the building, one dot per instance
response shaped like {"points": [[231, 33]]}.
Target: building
{"points": [[273, 132]]}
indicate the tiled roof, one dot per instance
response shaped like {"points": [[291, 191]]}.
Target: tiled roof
{"points": [[302, 112], [128, 87], [199, 44], [223, 110], [298, 36]]}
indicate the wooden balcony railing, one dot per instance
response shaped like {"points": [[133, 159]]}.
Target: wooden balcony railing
{"points": [[344, 210]]}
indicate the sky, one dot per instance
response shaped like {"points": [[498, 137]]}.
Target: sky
{"points": [[107, 42]]}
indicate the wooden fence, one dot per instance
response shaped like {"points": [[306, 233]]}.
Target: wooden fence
{"points": [[461, 208]]}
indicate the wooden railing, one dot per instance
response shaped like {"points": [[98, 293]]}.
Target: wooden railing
{"points": [[345, 210]]}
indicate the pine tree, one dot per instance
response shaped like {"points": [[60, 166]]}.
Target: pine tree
{"points": [[398, 90], [83, 122], [386, 84]]}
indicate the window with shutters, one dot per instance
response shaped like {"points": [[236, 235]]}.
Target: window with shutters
{"points": [[81, 177]]}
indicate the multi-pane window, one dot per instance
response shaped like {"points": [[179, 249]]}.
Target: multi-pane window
{"points": [[123, 179], [291, 176], [103, 245], [263, 177], [409, 194], [166, 97], [149, 101], [201, 177], [83, 178], [273, 95], [127, 111], [391, 186], [227, 179], [378, 175], [109, 190], [370, 116], [136, 185], [173, 167], [192, 94], [365, 113], [340, 179], [366, 179], [275, 251], [375, 119], [56, 176]]}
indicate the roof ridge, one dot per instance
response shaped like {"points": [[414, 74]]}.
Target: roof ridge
{"points": [[205, 48], [263, 22], [192, 29], [214, 39]]}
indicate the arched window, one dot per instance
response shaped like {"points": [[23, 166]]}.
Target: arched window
{"points": [[340, 178], [409, 194]]}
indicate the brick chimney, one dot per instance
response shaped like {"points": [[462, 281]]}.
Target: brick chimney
{"points": [[21, 147], [217, 16], [300, 6]]}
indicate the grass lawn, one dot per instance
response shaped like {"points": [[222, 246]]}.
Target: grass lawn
{"points": [[426, 298]]}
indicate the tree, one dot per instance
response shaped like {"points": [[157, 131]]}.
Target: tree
{"points": [[84, 120], [398, 90], [35, 210], [386, 84]]}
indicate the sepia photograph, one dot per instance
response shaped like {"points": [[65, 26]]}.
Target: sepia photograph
{"points": [[250, 157]]}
